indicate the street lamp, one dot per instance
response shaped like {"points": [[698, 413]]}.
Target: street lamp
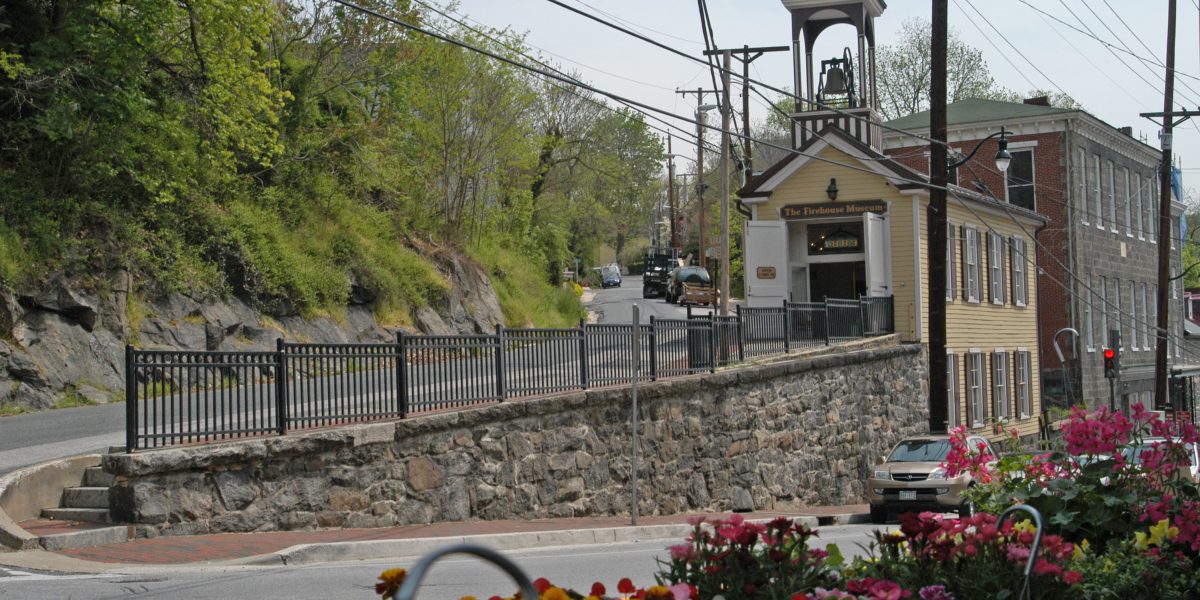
{"points": [[1003, 158]]}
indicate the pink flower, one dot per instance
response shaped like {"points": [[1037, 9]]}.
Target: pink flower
{"points": [[695, 520], [935, 592], [1072, 577], [682, 552], [681, 591]]}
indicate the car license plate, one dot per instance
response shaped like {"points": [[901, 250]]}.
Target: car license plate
{"points": [[908, 494]]}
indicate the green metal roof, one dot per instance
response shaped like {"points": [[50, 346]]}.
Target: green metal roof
{"points": [[975, 110]]}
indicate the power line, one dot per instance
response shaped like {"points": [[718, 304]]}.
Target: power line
{"points": [[1002, 53], [1103, 72], [1015, 48]]}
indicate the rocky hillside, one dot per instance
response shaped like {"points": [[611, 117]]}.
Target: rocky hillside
{"points": [[62, 343]]}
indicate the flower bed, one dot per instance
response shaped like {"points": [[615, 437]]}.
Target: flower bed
{"points": [[1122, 520]]}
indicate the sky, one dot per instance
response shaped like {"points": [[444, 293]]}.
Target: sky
{"points": [[1024, 50]]}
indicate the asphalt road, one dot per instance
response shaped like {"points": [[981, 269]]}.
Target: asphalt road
{"points": [[615, 305], [449, 579]]}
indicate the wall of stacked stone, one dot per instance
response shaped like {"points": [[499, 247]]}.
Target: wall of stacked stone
{"points": [[792, 433]]}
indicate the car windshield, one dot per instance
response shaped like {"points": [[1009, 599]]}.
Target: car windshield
{"points": [[920, 451], [611, 272], [694, 275], [1133, 454]]}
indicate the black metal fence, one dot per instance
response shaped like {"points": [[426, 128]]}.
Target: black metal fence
{"points": [[184, 397]]}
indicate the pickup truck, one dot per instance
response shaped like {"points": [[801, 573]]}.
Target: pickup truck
{"points": [[691, 285]]}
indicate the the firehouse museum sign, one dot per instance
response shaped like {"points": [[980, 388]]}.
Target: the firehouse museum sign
{"points": [[793, 212]]}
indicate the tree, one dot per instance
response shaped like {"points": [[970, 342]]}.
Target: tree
{"points": [[904, 71]]}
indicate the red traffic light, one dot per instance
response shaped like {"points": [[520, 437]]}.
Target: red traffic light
{"points": [[1109, 353]]}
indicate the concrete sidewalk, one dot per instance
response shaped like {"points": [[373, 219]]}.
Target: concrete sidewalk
{"points": [[307, 547]]}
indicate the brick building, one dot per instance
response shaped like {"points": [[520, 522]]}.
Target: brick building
{"points": [[1097, 257]]}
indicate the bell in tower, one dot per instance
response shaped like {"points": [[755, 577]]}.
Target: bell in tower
{"points": [[845, 85]]}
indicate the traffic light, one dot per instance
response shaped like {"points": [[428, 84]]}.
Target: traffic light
{"points": [[1112, 362]]}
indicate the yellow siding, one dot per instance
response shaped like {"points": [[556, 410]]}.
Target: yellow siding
{"points": [[984, 326]]}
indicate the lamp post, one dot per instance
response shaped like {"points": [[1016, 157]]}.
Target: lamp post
{"points": [[938, 392]]}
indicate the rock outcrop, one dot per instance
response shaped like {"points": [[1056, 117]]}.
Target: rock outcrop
{"points": [[67, 338]]}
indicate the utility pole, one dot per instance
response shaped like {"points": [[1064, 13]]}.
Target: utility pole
{"points": [[938, 400], [699, 167], [746, 58], [726, 114], [671, 195], [1164, 220]]}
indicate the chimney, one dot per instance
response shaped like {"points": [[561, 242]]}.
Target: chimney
{"points": [[1038, 101], [1127, 130]]}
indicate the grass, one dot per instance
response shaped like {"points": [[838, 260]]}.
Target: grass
{"points": [[525, 296], [12, 410], [71, 398]]}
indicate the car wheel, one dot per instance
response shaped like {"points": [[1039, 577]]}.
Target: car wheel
{"points": [[966, 509], [878, 514]]}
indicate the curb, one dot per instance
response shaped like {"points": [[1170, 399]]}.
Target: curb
{"points": [[304, 554]]}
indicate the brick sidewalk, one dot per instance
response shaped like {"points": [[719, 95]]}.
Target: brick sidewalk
{"points": [[231, 546]]}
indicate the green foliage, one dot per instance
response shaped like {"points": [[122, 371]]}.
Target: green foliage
{"points": [[525, 296], [288, 151], [72, 399]]}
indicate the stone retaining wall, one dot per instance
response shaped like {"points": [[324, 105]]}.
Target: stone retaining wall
{"points": [[793, 433]]}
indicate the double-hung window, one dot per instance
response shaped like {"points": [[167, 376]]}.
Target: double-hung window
{"points": [[1000, 391], [1152, 210], [1133, 317], [1097, 196], [951, 279], [1082, 170], [1145, 321], [1019, 179], [1102, 305], [1112, 197], [1119, 317], [1020, 294], [996, 285], [952, 396], [1022, 366], [1089, 313], [1153, 316], [1141, 213], [971, 284], [1128, 206], [976, 406]]}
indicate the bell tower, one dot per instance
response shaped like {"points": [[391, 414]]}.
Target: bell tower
{"points": [[842, 85]]}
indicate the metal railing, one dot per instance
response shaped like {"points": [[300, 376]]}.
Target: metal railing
{"points": [[185, 397]]}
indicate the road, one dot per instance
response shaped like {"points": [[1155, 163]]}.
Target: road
{"points": [[38, 437], [451, 578]]}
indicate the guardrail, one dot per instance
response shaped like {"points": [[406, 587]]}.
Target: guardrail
{"points": [[187, 397]]}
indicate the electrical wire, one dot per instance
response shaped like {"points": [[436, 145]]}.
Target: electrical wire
{"points": [[955, 193]]}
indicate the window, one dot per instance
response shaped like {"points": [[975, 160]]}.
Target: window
{"points": [[1141, 223], [1022, 367], [952, 419], [996, 287], [971, 285], [976, 408], [1020, 179], [1082, 170], [1097, 197], [1112, 198], [1000, 391], [1133, 327], [1020, 295], [1153, 315], [1128, 206], [951, 280], [1152, 209], [1087, 296], [1145, 321], [1119, 317], [1102, 306]]}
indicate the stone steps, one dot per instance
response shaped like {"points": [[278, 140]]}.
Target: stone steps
{"points": [[80, 510], [85, 538], [97, 477], [86, 515]]}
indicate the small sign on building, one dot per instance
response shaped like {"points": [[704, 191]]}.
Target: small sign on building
{"points": [[765, 272]]}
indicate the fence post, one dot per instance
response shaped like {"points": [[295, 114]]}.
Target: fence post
{"points": [[583, 363], [653, 350], [402, 373], [712, 342], [131, 423], [280, 387], [501, 393], [787, 329], [828, 321], [740, 334]]}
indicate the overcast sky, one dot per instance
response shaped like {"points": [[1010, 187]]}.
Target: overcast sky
{"points": [[1062, 58]]}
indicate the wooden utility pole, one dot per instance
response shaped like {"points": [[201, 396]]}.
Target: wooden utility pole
{"points": [[747, 56], [726, 114], [699, 167], [1165, 230], [938, 398], [671, 195]]}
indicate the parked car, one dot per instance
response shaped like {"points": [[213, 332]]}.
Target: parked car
{"points": [[911, 478], [610, 276], [691, 285], [1133, 454]]}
